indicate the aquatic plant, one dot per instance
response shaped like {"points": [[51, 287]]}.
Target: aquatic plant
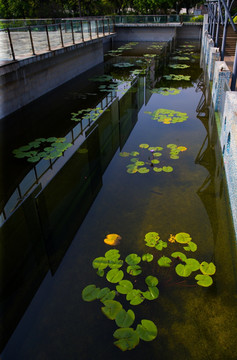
{"points": [[151, 157], [42, 148], [123, 65], [177, 77], [180, 58], [89, 113], [126, 336], [179, 66], [167, 116], [102, 78], [165, 91]]}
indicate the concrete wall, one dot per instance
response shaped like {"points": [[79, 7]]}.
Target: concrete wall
{"points": [[24, 81], [144, 33], [189, 31]]}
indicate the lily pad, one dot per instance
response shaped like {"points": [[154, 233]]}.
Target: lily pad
{"points": [[100, 263], [151, 280], [151, 239], [124, 286], [139, 163], [135, 297], [111, 308], [167, 168], [147, 257], [164, 261], [156, 169], [207, 269], [179, 255], [108, 296], [128, 338], [133, 259], [112, 254], [161, 245], [165, 91], [168, 116], [191, 247], [124, 154], [155, 161], [90, 293], [179, 66], [144, 146], [152, 293], [143, 170], [134, 270], [183, 238], [177, 77], [147, 330], [114, 275], [134, 153], [125, 318], [193, 264], [204, 280], [183, 270], [123, 65], [112, 239]]}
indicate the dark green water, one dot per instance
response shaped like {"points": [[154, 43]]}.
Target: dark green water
{"points": [[193, 322]]}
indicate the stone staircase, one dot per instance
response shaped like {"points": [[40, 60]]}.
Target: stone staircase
{"points": [[231, 40]]}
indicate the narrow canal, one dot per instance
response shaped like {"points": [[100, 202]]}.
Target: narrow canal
{"points": [[141, 160]]}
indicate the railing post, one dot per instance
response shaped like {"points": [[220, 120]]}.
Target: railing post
{"points": [[47, 34], [11, 45], [108, 25], [97, 30], [89, 25], [82, 35], [103, 27], [61, 34], [73, 39], [31, 41], [234, 73]]}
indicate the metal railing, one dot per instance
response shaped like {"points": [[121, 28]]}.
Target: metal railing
{"points": [[153, 19], [25, 41]]}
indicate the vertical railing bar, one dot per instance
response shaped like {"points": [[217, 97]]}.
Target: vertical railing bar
{"points": [[31, 40], [234, 73], [61, 34], [47, 35], [108, 25], [103, 27], [73, 39], [11, 45], [82, 35], [97, 30], [89, 25], [36, 175]]}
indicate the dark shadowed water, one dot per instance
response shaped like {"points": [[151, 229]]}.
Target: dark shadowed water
{"points": [[51, 241]]}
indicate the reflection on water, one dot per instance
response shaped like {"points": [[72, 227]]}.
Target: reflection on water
{"points": [[88, 194]]}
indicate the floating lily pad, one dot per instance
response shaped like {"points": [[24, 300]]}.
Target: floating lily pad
{"points": [[161, 245], [152, 293], [139, 163], [204, 280], [134, 270], [155, 161], [164, 261], [143, 170], [207, 269], [124, 154], [183, 270], [144, 146], [112, 239], [156, 169], [157, 154], [147, 330], [135, 297], [179, 255], [128, 338], [103, 292], [177, 77], [100, 272], [114, 275], [193, 264], [151, 239], [112, 254], [132, 170], [165, 91], [180, 58], [100, 263], [183, 238], [108, 296], [133, 259], [134, 153], [111, 308], [147, 257], [125, 318], [179, 66], [90, 293], [191, 247], [168, 116], [167, 168], [151, 280], [124, 286], [123, 65]]}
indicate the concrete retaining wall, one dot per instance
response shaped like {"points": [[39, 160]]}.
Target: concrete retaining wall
{"points": [[26, 80]]}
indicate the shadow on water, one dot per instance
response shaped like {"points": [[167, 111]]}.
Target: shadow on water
{"points": [[88, 194]]}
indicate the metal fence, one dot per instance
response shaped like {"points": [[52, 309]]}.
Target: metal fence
{"points": [[153, 19], [25, 41]]}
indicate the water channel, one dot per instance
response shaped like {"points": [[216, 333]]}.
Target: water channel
{"points": [[130, 170]]}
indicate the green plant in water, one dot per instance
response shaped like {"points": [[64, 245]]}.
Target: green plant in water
{"points": [[89, 113], [128, 337], [179, 66], [102, 78], [177, 77], [123, 65], [167, 116], [180, 58], [42, 148], [165, 91], [152, 159]]}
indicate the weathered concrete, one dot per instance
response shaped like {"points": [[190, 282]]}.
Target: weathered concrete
{"points": [[26, 80]]}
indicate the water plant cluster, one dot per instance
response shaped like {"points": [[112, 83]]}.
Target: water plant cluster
{"points": [[42, 148], [120, 50], [165, 91], [167, 116], [179, 66], [89, 113], [114, 269], [151, 158], [177, 77]]}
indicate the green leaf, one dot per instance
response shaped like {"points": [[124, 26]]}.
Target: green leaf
{"points": [[109, 296], [179, 255], [139, 163], [157, 154], [143, 146], [143, 170], [204, 280], [124, 154], [90, 293], [112, 254], [128, 338], [103, 292], [183, 238], [134, 270], [125, 318], [124, 287], [207, 269], [34, 158], [183, 270], [155, 161], [114, 275], [167, 168], [156, 169], [147, 257], [100, 272], [135, 297], [133, 259], [151, 280], [161, 245], [152, 293], [191, 247], [134, 153], [193, 264], [147, 330], [111, 308], [164, 261], [100, 263]]}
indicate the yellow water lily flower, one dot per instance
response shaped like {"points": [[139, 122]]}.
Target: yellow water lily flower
{"points": [[172, 238], [112, 239]]}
